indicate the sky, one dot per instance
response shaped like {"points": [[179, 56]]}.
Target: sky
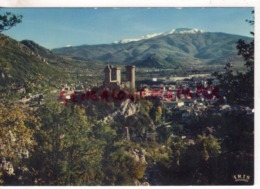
{"points": [[60, 27]]}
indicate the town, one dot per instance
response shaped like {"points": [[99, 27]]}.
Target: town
{"points": [[188, 91]]}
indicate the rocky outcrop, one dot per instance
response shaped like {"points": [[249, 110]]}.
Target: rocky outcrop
{"points": [[127, 108], [138, 183], [138, 155], [7, 167]]}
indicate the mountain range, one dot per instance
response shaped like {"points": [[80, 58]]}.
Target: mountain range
{"points": [[178, 47]]}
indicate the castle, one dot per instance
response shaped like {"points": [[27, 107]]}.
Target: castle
{"points": [[113, 77]]}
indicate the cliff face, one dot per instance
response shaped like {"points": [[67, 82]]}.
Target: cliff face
{"points": [[127, 108]]}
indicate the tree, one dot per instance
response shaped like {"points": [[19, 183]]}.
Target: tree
{"points": [[67, 152], [208, 146], [178, 148], [122, 165], [12, 132], [156, 114], [239, 88], [9, 20], [16, 139]]}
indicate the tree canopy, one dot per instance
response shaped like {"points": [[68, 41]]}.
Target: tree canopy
{"points": [[239, 87], [9, 20]]}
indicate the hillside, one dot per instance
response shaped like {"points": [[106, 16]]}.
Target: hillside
{"points": [[180, 47], [22, 67]]}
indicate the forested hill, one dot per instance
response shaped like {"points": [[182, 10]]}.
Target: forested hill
{"points": [[24, 67], [183, 47]]}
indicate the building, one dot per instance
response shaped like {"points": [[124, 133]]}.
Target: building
{"points": [[130, 75], [113, 77]]}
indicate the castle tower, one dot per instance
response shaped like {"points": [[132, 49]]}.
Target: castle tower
{"points": [[130, 75], [116, 75], [112, 76], [108, 70]]}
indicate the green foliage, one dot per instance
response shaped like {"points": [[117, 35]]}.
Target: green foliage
{"points": [[140, 123], [178, 149], [16, 141], [166, 132], [120, 165], [208, 146], [104, 132], [145, 106], [156, 114], [159, 153], [8, 20], [67, 153], [21, 68], [237, 131], [98, 109], [239, 87]]}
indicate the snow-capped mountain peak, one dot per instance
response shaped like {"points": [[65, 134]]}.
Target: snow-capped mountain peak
{"points": [[138, 39], [178, 30], [184, 30]]}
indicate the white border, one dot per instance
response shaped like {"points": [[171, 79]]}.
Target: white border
{"points": [[128, 3]]}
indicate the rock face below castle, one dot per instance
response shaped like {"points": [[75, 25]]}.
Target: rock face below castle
{"points": [[127, 108]]}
